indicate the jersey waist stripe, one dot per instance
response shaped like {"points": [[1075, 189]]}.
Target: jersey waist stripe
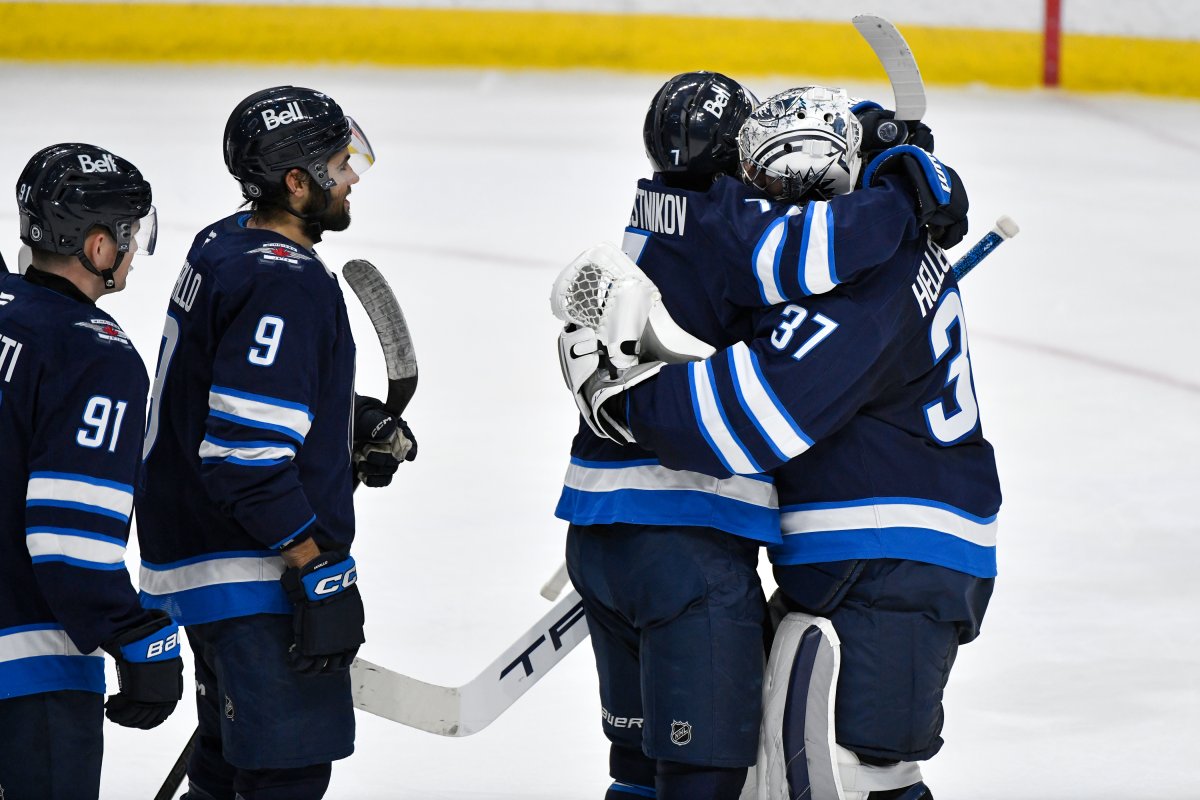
{"points": [[588, 476], [714, 424], [763, 407], [260, 413], [210, 571], [39, 674], [49, 640], [672, 508], [221, 601], [80, 492], [914, 544], [894, 513]]}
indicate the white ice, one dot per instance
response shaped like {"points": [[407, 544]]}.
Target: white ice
{"points": [[1086, 680]]}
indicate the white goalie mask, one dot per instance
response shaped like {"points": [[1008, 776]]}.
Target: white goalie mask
{"points": [[802, 144]]}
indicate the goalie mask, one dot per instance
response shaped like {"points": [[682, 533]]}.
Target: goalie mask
{"points": [[692, 124], [802, 144]]}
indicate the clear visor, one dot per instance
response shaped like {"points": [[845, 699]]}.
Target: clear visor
{"points": [[347, 165], [145, 232]]}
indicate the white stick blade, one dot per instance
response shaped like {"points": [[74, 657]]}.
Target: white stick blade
{"points": [[402, 699], [898, 61]]}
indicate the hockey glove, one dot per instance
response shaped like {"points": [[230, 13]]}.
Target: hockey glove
{"points": [[942, 201], [149, 673], [381, 442], [327, 614], [882, 130], [604, 393]]}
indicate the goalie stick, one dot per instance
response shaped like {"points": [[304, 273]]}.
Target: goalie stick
{"points": [[467, 709], [383, 309]]}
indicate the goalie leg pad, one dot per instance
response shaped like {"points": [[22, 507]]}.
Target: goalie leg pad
{"points": [[798, 754]]}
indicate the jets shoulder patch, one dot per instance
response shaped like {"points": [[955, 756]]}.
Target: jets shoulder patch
{"points": [[106, 331], [279, 253]]}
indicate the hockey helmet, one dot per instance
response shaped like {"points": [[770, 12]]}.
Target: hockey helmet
{"points": [[276, 130], [692, 124], [802, 144], [66, 190]]}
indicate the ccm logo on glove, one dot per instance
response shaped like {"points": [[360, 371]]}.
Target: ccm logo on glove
{"points": [[335, 583], [327, 579]]}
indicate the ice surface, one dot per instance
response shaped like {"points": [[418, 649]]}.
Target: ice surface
{"points": [[1086, 680]]}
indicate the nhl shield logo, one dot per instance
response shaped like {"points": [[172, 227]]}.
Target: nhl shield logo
{"points": [[681, 732]]}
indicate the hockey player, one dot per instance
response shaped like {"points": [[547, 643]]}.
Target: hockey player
{"points": [[245, 512], [889, 506], [673, 600], [72, 404]]}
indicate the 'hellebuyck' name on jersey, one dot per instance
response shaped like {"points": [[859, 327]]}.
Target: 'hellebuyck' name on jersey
{"points": [[72, 399], [715, 255], [247, 442], [869, 389]]}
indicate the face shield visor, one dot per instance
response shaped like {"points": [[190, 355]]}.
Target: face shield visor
{"points": [[144, 234], [347, 165]]}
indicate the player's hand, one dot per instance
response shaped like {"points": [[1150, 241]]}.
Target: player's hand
{"points": [[942, 201], [881, 130], [327, 614], [381, 441], [149, 672]]}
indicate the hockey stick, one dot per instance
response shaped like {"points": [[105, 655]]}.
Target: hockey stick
{"points": [[387, 318], [467, 709], [553, 587], [1004, 229], [175, 776], [898, 61]]}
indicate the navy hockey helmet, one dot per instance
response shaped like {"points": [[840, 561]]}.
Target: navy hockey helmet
{"points": [[283, 128], [693, 122], [67, 190]]}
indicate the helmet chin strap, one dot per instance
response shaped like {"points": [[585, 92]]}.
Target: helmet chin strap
{"points": [[106, 275]]}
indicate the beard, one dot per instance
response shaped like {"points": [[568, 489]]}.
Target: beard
{"points": [[334, 217]]}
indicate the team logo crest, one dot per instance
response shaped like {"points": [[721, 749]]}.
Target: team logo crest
{"points": [[279, 252], [681, 732], [228, 708], [106, 331]]}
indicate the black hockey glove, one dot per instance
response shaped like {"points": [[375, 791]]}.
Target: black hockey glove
{"points": [[327, 614], [882, 130], [381, 442], [942, 202], [149, 673]]}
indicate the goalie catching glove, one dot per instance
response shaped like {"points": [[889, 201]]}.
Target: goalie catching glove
{"points": [[942, 202], [596, 385]]}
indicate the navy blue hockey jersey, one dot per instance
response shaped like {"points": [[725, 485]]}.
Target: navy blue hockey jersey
{"points": [[869, 389], [72, 403], [715, 255], [248, 437]]}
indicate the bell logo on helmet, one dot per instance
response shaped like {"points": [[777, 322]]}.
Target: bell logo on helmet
{"points": [[716, 106], [105, 163], [286, 117]]}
